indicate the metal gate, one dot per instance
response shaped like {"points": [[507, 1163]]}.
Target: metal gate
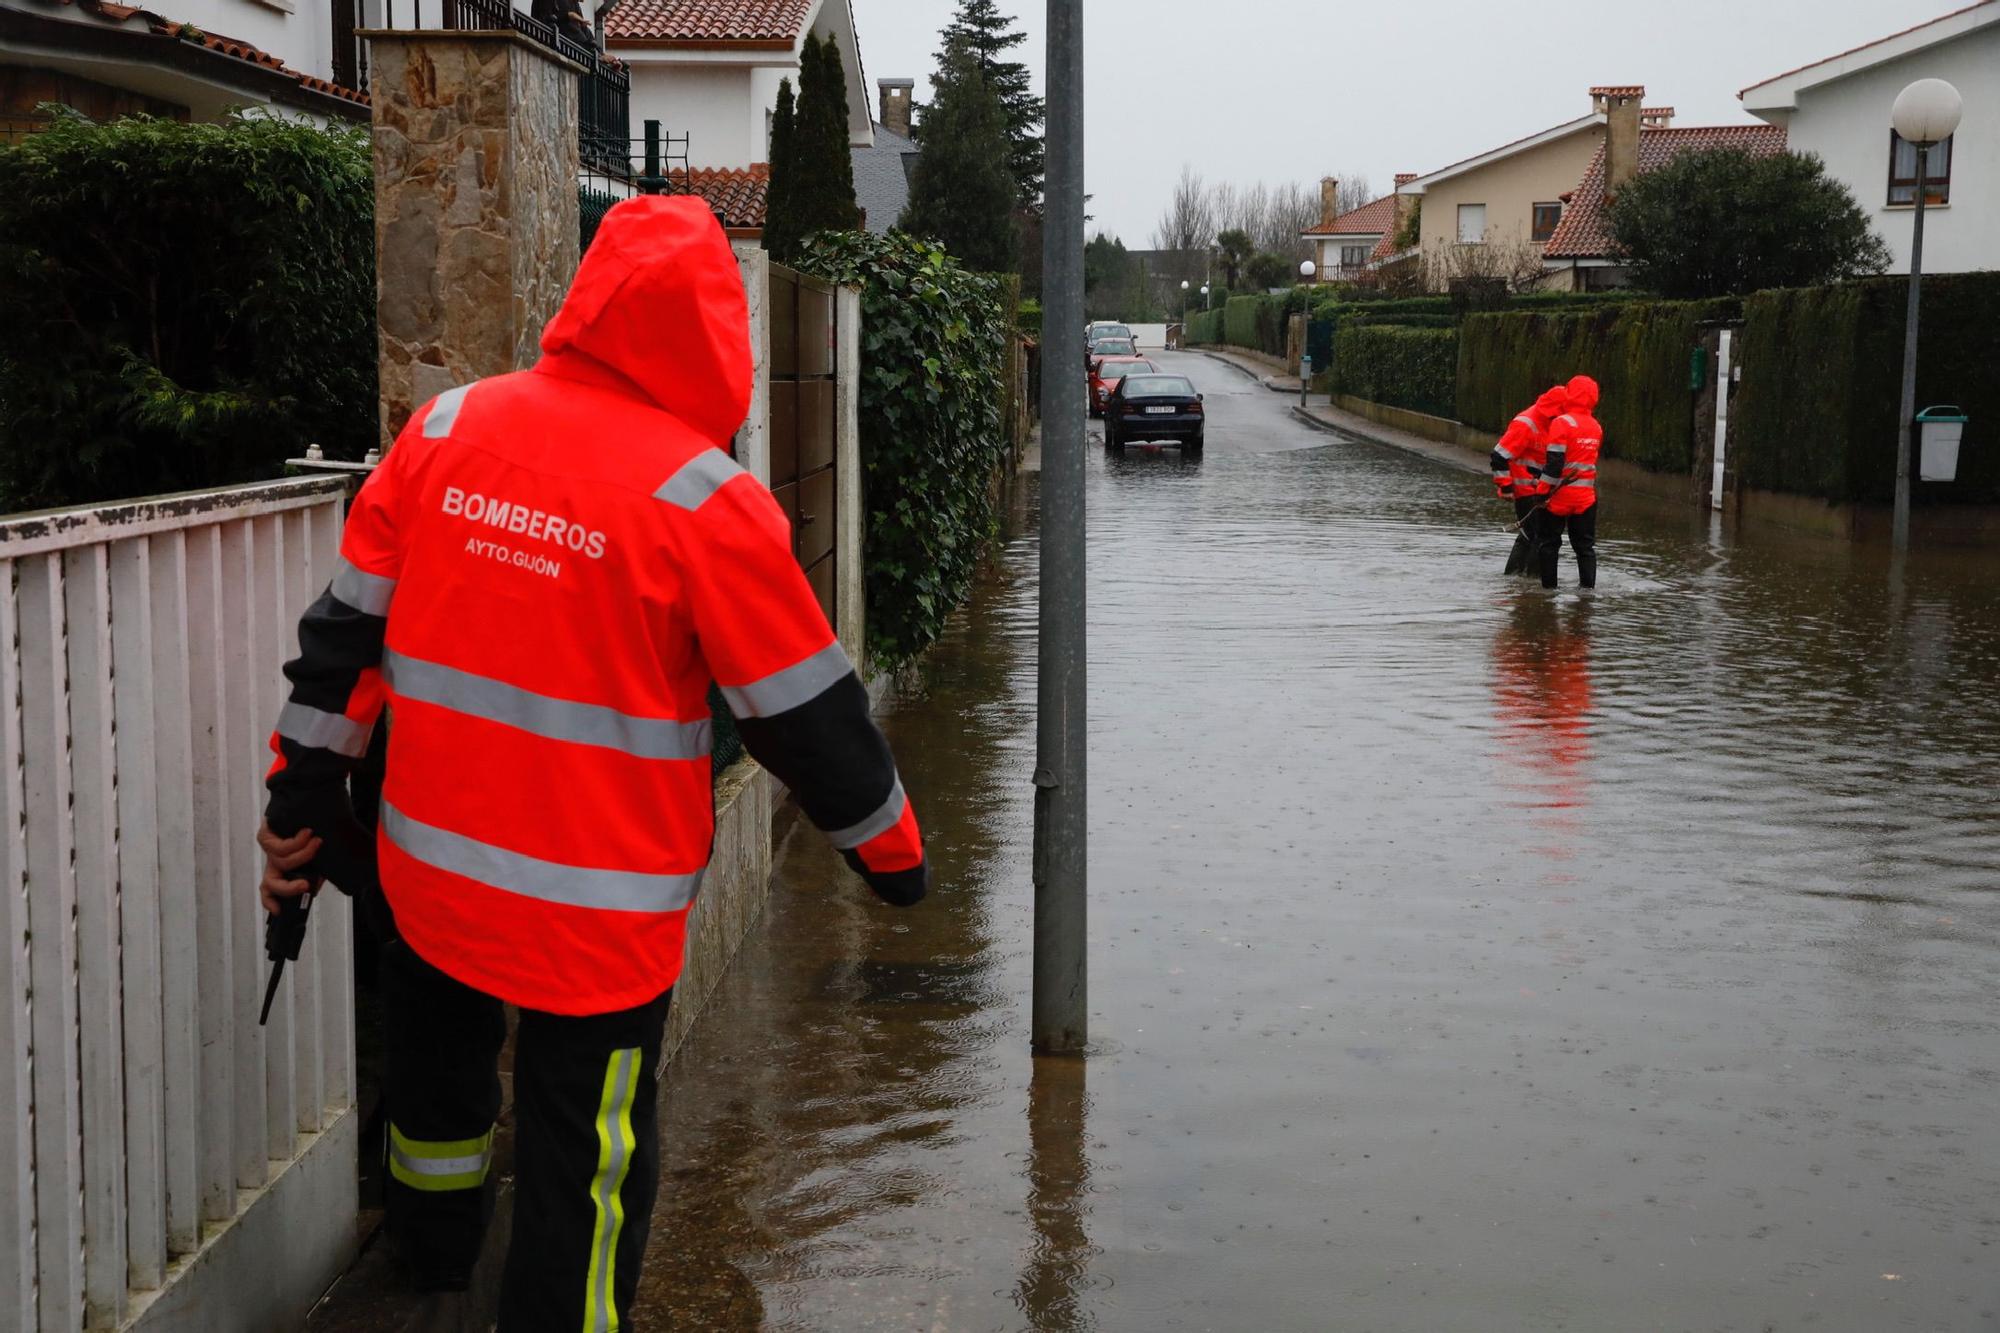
{"points": [[800, 311]]}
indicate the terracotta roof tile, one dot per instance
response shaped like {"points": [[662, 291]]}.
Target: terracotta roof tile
{"points": [[1585, 229], [703, 21], [1619, 90], [737, 194], [1370, 219]]}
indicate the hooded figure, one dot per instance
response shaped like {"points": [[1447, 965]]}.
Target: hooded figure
{"points": [[1518, 472], [1574, 442], [541, 583]]}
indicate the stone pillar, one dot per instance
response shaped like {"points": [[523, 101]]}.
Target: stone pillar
{"points": [[476, 230]]}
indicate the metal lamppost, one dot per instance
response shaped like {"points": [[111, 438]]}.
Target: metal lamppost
{"points": [[1926, 113], [1184, 309], [1058, 1020], [1306, 270]]}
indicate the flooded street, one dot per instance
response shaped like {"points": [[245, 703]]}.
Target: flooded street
{"points": [[1462, 956]]}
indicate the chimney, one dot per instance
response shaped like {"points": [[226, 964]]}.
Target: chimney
{"points": [[1406, 204], [1620, 105], [1656, 117], [1329, 200], [895, 113]]}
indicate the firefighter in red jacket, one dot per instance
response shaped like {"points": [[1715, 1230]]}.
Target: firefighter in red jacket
{"points": [[1574, 441], [1518, 473], [540, 582]]}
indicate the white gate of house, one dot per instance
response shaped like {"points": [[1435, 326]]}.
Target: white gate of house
{"points": [[145, 1113]]}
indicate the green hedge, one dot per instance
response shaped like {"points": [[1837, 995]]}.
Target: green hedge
{"points": [[1638, 352], [1413, 368], [181, 305], [1204, 328], [934, 343], [1822, 386]]}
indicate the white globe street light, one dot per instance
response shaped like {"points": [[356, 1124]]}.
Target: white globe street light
{"points": [[1306, 270], [1925, 114]]}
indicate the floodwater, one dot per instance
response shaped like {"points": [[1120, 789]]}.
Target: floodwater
{"points": [[1462, 956]]}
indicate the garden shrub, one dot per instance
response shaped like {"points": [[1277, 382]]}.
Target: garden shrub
{"points": [[182, 305], [1638, 352], [1822, 386], [1411, 368], [934, 341]]}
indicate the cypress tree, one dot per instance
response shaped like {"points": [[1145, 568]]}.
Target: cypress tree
{"points": [[781, 231], [820, 196], [963, 194]]}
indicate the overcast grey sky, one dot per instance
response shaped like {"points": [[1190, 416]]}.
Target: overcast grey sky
{"points": [[1249, 90]]}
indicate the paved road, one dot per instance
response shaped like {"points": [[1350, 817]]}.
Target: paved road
{"points": [[1464, 957]]}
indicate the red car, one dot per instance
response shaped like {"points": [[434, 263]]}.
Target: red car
{"points": [[1106, 371]]}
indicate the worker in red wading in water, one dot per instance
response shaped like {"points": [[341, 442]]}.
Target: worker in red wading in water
{"points": [[539, 583], [1574, 441], [1518, 474]]}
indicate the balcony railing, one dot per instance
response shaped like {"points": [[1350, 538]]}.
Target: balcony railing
{"points": [[604, 89]]}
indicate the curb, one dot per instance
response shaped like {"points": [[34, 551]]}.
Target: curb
{"points": [[1268, 381], [1439, 452]]}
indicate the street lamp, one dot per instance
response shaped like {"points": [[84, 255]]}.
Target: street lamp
{"points": [[1306, 270], [1184, 308], [1926, 113]]}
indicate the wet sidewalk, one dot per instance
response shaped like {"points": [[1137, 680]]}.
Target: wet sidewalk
{"points": [[1463, 957]]}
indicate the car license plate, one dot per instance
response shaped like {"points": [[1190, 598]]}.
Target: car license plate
{"points": [[1162, 410]]}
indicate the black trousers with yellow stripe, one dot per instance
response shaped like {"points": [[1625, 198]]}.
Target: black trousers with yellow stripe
{"points": [[586, 1144]]}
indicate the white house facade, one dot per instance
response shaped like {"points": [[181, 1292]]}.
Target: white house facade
{"points": [[711, 70], [1839, 109]]}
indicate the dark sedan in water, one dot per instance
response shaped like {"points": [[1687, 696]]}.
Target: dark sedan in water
{"points": [[1146, 409]]}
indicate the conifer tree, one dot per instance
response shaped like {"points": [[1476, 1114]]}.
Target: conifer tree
{"points": [[981, 32], [963, 194], [822, 190], [781, 232]]}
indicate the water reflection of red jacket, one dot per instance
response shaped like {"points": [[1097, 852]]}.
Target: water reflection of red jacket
{"points": [[1542, 695]]}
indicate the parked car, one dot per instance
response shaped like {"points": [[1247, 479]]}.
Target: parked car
{"points": [[1146, 408], [1109, 347], [1106, 328], [1106, 371]]}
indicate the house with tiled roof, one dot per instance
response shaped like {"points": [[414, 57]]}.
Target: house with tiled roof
{"points": [[1506, 201], [1581, 254], [1348, 246], [189, 60], [710, 70], [1838, 107]]}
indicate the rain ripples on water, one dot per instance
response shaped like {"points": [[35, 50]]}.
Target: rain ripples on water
{"points": [[1462, 957]]}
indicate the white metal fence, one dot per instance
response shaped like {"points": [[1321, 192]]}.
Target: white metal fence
{"points": [[140, 647]]}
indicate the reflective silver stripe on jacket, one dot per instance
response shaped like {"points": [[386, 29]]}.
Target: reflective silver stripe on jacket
{"points": [[532, 877], [444, 412], [875, 825], [1501, 450], [782, 691], [367, 593], [321, 730], [698, 479], [1583, 483], [542, 714]]}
